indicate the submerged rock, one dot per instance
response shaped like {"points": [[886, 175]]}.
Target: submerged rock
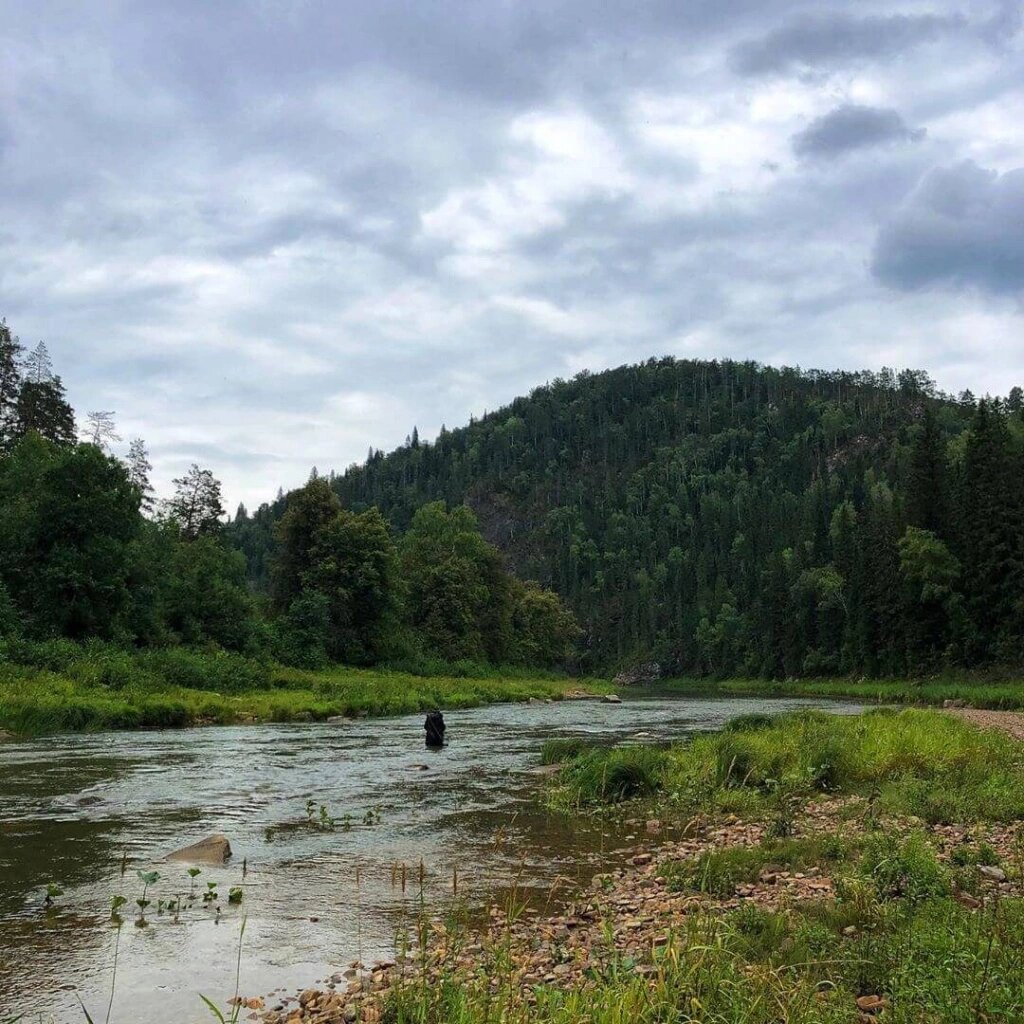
{"points": [[213, 849], [612, 698]]}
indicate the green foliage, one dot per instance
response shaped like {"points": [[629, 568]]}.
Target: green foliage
{"points": [[918, 762], [560, 749], [459, 598], [726, 518], [718, 872], [610, 776], [933, 960], [60, 685], [354, 564]]}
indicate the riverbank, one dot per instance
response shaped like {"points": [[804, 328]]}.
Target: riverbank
{"points": [[1000, 695], [178, 689], [868, 868]]}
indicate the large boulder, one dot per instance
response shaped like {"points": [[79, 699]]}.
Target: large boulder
{"points": [[213, 849]]}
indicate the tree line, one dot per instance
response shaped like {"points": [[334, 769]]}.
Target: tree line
{"points": [[729, 518], [88, 552]]}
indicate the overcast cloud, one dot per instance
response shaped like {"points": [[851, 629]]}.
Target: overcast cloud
{"points": [[272, 234]]}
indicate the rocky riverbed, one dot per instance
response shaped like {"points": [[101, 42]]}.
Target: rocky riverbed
{"points": [[631, 916]]}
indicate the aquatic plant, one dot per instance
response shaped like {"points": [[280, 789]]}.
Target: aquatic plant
{"points": [[210, 895], [116, 903], [193, 874], [53, 891], [235, 894], [147, 878]]}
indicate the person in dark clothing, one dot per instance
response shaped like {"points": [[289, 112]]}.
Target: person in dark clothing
{"points": [[434, 726]]}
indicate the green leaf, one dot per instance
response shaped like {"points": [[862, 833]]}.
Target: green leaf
{"points": [[212, 1008]]}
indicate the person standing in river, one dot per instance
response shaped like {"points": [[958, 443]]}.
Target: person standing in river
{"points": [[434, 726]]}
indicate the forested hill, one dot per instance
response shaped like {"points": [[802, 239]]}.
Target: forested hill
{"points": [[727, 517]]}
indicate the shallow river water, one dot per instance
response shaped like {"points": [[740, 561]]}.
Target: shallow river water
{"points": [[73, 807]]}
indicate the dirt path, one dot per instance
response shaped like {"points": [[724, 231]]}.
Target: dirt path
{"points": [[1010, 722]]}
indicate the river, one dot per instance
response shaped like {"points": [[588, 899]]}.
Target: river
{"points": [[73, 807]]}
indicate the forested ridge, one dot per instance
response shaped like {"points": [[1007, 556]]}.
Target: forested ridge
{"points": [[90, 555], [724, 517]]}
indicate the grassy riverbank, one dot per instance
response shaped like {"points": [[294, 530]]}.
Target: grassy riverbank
{"points": [[831, 869], [62, 686], [980, 693]]}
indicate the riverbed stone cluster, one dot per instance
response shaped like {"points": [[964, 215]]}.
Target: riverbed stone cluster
{"points": [[630, 914]]}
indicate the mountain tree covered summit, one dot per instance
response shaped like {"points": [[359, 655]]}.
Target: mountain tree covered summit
{"points": [[725, 517]]}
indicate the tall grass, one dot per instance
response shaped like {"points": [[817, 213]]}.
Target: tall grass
{"points": [[977, 692], [58, 685], [914, 761]]}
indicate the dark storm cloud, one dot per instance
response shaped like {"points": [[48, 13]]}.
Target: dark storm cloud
{"points": [[961, 226], [813, 41], [852, 126], [271, 233]]}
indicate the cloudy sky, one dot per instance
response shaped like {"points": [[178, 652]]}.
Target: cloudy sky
{"points": [[270, 234]]}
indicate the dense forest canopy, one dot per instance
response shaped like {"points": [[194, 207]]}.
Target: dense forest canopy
{"points": [[724, 517], [87, 553]]}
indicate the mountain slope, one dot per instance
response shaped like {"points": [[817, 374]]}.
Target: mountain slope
{"points": [[717, 516]]}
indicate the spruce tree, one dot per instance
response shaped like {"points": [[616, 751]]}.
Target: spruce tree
{"points": [[992, 534], [10, 386], [926, 486], [42, 407]]}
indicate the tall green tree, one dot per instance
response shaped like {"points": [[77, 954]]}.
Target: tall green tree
{"points": [[458, 595], [196, 506], [992, 535], [355, 566], [927, 487], [10, 386], [308, 510], [70, 517]]}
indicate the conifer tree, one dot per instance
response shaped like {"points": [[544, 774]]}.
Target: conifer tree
{"points": [[139, 468], [10, 386], [992, 533], [42, 407], [926, 488]]}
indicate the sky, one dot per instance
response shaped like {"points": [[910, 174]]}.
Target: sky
{"points": [[270, 235]]}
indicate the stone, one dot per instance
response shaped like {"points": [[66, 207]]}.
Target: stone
{"points": [[990, 871], [6, 737], [871, 1003], [967, 900], [213, 849], [337, 720], [955, 703], [611, 698]]}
